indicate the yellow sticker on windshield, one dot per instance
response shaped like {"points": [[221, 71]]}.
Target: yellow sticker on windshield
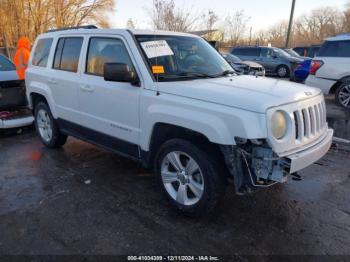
{"points": [[158, 69]]}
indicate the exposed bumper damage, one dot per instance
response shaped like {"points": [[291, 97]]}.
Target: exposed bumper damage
{"points": [[254, 164]]}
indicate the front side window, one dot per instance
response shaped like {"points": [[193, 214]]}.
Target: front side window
{"points": [[181, 57], [335, 49], [42, 51], [67, 54], [266, 53], [105, 50], [5, 64]]}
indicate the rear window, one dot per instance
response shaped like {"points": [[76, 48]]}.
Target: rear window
{"points": [[246, 51], [67, 54], [5, 64], [335, 49], [42, 51]]}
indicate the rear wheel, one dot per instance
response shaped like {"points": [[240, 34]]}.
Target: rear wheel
{"points": [[190, 177], [343, 94], [47, 127], [282, 71]]}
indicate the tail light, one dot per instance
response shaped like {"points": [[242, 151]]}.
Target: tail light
{"points": [[315, 65]]}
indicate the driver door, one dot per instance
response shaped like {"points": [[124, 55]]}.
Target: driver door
{"points": [[109, 110], [268, 60]]}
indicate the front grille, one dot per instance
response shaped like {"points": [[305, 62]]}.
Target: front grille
{"points": [[310, 121]]}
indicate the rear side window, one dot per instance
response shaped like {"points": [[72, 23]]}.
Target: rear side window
{"points": [[335, 49], [105, 50], [267, 53], [67, 54], [41, 52], [247, 51], [5, 64]]}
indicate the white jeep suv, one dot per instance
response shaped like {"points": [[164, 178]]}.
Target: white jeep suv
{"points": [[330, 69], [170, 101]]}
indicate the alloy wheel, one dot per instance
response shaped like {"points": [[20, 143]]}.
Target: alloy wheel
{"points": [[282, 71], [344, 96], [182, 178], [44, 125]]}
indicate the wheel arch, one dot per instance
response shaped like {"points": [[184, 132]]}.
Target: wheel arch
{"points": [[163, 132], [337, 84]]}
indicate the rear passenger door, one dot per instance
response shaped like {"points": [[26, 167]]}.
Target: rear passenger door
{"points": [[64, 78], [109, 110]]}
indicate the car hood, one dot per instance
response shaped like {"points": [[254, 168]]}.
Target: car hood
{"points": [[251, 64], [246, 92]]}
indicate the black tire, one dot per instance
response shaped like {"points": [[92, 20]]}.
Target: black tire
{"points": [[283, 68], [57, 139], [344, 87], [213, 175]]}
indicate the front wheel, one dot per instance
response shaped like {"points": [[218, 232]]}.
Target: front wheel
{"points": [[282, 71], [343, 94], [190, 177], [47, 127]]}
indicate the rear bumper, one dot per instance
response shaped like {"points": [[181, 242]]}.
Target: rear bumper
{"points": [[305, 158], [324, 84]]}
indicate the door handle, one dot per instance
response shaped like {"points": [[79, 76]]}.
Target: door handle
{"points": [[87, 88], [52, 81]]}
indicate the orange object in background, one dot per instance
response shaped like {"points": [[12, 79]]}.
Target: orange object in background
{"points": [[22, 56]]}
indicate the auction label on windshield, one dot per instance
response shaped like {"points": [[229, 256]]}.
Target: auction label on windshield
{"points": [[156, 48]]}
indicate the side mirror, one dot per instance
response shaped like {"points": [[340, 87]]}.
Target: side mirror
{"points": [[118, 72]]}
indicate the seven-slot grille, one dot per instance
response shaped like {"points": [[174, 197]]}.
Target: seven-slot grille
{"points": [[310, 121]]}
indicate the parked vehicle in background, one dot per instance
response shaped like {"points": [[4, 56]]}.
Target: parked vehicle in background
{"points": [[171, 102], [302, 71], [330, 69], [307, 51], [274, 60], [13, 111], [295, 54], [244, 67]]}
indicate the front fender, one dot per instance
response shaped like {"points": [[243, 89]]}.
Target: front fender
{"points": [[220, 124]]}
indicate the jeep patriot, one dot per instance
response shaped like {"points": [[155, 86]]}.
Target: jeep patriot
{"points": [[171, 101]]}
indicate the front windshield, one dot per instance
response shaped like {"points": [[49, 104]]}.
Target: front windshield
{"points": [[293, 53], [232, 58], [281, 52], [182, 58]]}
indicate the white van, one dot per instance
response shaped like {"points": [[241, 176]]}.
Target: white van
{"points": [[330, 69]]}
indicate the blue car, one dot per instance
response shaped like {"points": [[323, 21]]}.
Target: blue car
{"points": [[302, 71]]}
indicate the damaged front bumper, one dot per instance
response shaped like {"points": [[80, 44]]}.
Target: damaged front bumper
{"points": [[253, 165]]}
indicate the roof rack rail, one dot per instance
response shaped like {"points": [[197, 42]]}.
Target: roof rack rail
{"points": [[73, 27]]}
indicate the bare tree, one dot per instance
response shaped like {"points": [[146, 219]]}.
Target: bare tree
{"points": [[209, 20], [166, 16], [346, 23], [130, 24], [32, 17], [235, 27]]}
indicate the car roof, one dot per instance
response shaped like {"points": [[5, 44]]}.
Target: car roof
{"points": [[113, 31], [340, 37]]}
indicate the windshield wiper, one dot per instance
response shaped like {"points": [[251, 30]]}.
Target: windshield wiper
{"points": [[185, 75], [226, 72], [194, 74]]}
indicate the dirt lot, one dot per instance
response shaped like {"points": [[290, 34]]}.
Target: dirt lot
{"points": [[83, 200]]}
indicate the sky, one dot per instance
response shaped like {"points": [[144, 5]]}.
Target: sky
{"points": [[262, 13]]}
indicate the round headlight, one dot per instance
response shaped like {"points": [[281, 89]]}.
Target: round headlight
{"points": [[278, 125]]}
